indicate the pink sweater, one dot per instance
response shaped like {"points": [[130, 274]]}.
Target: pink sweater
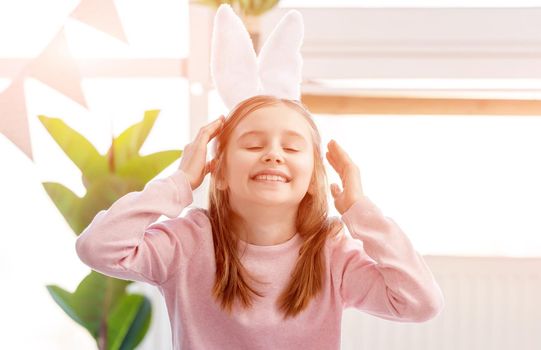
{"points": [[377, 271]]}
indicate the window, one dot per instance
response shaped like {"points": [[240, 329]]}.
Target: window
{"points": [[457, 185], [470, 180]]}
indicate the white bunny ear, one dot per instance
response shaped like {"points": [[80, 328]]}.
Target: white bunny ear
{"points": [[280, 60], [233, 60]]}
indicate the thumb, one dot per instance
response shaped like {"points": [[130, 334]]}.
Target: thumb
{"points": [[335, 190], [209, 167]]}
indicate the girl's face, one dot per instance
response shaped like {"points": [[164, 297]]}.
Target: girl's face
{"points": [[275, 138]]}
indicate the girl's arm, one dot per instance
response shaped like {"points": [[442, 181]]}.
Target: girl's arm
{"points": [[380, 271], [123, 242]]}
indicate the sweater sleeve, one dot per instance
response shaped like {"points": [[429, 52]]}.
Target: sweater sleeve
{"points": [[379, 270], [124, 241]]}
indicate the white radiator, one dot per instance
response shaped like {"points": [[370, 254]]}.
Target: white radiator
{"points": [[491, 303]]}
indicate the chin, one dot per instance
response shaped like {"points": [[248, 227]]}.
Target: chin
{"points": [[275, 198]]}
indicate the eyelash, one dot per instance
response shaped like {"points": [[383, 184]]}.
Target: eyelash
{"points": [[287, 149]]}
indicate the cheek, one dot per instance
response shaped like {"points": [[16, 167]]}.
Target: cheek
{"points": [[239, 163], [307, 161], [305, 165]]}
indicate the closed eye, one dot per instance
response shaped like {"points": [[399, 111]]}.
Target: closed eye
{"points": [[287, 149]]}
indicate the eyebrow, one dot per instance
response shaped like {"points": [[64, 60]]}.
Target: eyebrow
{"points": [[260, 132]]}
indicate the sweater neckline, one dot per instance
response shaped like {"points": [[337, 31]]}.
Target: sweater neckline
{"points": [[284, 246]]}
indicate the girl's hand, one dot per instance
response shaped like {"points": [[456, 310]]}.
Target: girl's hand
{"points": [[194, 156], [349, 174]]}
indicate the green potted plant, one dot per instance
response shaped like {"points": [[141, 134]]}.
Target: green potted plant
{"points": [[248, 10], [101, 304]]}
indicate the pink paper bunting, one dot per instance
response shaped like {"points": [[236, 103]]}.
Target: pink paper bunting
{"points": [[14, 122], [56, 67], [102, 15]]}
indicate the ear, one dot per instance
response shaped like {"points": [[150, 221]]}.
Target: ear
{"points": [[233, 62], [280, 60]]}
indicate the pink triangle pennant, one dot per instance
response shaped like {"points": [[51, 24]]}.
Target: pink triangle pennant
{"points": [[13, 117], [56, 67], [102, 15]]}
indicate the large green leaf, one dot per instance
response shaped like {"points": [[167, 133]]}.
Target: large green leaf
{"points": [[95, 297], [128, 144], [147, 167], [103, 192], [100, 195], [65, 300], [77, 148], [66, 201], [92, 301], [128, 322], [139, 327]]}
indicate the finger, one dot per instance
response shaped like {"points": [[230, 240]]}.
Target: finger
{"points": [[335, 190], [340, 152], [217, 131], [340, 171], [336, 150], [212, 124], [212, 128], [331, 160], [207, 168], [342, 162], [207, 132], [337, 165], [210, 166]]}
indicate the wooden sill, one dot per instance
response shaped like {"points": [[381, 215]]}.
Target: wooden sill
{"points": [[348, 104]]}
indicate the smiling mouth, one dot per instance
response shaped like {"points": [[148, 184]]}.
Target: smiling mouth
{"points": [[270, 179]]}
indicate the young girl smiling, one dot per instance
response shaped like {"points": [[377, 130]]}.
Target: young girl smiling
{"points": [[264, 267]]}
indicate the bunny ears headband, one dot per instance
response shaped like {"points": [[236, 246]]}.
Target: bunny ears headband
{"points": [[239, 74]]}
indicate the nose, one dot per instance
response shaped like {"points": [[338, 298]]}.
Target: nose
{"points": [[273, 157]]}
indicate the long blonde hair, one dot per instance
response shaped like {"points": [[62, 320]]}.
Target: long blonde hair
{"points": [[312, 223]]}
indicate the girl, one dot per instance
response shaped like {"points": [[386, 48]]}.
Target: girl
{"points": [[264, 267]]}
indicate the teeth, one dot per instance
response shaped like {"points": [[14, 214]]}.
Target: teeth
{"points": [[271, 178]]}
